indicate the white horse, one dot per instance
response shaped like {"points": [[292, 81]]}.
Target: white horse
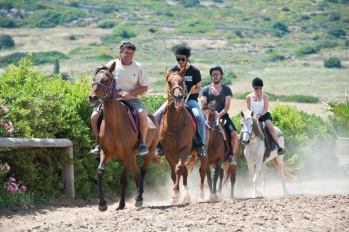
{"points": [[253, 139]]}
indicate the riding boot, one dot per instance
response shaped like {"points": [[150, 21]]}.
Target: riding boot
{"points": [[95, 151], [202, 151], [159, 151], [232, 159], [281, 151]]}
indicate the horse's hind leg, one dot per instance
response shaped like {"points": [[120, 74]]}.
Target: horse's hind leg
{"points": [[139, 182], [202, 172], [209, 178], [123, 185]]}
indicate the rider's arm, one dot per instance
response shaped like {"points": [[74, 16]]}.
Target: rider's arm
{"points": [[248, 101], [196, 89], [226, 106]]}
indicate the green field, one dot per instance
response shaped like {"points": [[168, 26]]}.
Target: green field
{"points": [[238, 35]]}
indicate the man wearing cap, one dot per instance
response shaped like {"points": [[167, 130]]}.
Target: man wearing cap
{"points": [[192, 81], [222, 95], [131, 83]]}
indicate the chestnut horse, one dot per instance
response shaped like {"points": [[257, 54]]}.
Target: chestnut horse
{"points": [[177, 134], [253, 139], [117, 136], [218, 150]]}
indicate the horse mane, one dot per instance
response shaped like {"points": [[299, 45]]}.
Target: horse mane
{"points": [[257, 129], [102, 67]]}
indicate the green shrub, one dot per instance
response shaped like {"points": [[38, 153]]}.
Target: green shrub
{"points": [[337, 33], [325, 44], [7, 23], [6, 41], [285, 9], [124, 31], [305, 51], [335, 16], [106, 24], [189, 3], [308, 140], [280, 26], [305, 17], [332, 62]]}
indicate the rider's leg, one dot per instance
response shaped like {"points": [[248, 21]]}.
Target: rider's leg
{"points": [[200, 121], [230, 128], [94, 119], [158, 115], [272, 131], [142, 111], [160, 112]]}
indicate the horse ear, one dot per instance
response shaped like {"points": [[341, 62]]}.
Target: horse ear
{"points": [[252, 113], [112, 67], [214, 103], [242, 114], [182, 72]]}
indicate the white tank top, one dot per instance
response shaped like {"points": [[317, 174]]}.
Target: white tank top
{"points": [[257, 107]]}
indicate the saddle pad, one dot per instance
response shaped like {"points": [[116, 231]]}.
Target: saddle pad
{"points": [[150, 124]]}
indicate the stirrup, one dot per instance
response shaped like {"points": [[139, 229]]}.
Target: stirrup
{"points": [[143, 150], [232, 160], [202, 151], [281, 151], [159, 151], [95, 151]]}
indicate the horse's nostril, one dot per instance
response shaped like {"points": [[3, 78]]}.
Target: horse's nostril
{"points": [[92, 98]]}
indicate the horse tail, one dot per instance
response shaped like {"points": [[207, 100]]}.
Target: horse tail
{"points": [[191, 163], [157, 160], [286, 169]]}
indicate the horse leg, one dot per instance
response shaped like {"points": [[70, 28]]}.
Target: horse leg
{"points": [[255, 178], [102, 203], [279, 160], [202, 172], [178, 172], [264, 177], [232, 170], [139, 182], [123, 185], [185, 196], [250, 166], [220, 183], [209, 178], [214, 196]]}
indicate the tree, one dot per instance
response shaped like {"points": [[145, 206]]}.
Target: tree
{"points": [[56, 68]]}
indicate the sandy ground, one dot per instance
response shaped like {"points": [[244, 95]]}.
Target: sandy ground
{"points": [[316, 205]]}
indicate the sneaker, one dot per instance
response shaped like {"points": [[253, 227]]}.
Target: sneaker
{"points": [[232, 160], [95, 151], [202, 151], [143, 149], [281, 151], [159, 151]]}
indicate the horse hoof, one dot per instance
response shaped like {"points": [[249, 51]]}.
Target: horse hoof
{"points": [[138, 204], [214, 197], [103, 208]]}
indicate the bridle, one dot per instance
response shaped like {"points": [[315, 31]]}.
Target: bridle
{"points": [[246, 132], [111, 88], [212, 124]]}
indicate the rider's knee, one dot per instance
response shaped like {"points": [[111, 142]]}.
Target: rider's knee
{"points": [[142, 116], [94, 117]]}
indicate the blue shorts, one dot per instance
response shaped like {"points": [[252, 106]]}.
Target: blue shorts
{"points": [[265, 117], [229, 125]]}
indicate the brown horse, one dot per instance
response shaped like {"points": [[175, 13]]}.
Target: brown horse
{"points": [[177, 135], [218, 150], [117, 137]]}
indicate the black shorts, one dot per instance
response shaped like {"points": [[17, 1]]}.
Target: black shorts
{"points": [[229, 125], [265, 117]]}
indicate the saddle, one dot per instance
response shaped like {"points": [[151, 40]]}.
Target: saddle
{"points": [[225, 135], [270, 144], [133, 117]]}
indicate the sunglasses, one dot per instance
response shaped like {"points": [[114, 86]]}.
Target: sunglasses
{"points": [[180, 59], [257, 88], [215, 75]]}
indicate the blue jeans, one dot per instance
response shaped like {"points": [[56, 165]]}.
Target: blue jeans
{"points": [[199, 117]]}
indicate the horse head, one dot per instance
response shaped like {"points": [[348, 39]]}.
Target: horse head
{"points": [[210, 115], [247, 126], [103, 85], [175, 87]]}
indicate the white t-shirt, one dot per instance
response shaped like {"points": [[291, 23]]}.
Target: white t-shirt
{"points": [[257, 107], [129, 77]]}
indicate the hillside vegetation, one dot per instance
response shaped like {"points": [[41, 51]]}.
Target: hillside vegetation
{"points": [[284, 42]]}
